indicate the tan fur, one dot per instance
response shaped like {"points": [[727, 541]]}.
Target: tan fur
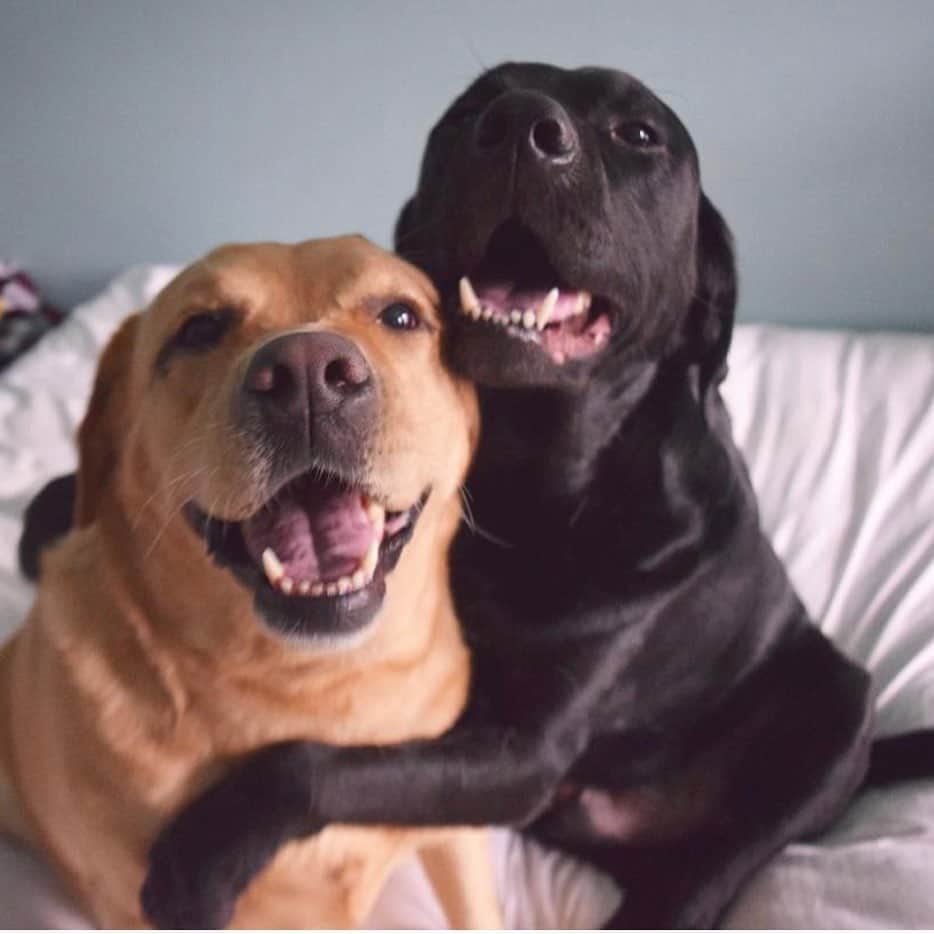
{"points": [[142, 671]]}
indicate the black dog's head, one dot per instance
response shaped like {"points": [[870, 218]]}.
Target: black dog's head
{"points": [[561, 214]]}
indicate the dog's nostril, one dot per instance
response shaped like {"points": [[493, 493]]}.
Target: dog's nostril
{"points": [[274, 380], [551, 137], [345, 373]]}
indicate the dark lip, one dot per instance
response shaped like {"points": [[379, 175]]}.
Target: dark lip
{"points": [[295, 614]]}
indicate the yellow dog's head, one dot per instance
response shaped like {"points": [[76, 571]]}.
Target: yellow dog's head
{"points": [[289, 407]]}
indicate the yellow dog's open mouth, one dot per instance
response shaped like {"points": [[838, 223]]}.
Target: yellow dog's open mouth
{"points": [[319, 540]]}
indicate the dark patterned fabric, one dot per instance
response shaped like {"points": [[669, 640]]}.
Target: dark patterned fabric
{"points": [[24, 315]]}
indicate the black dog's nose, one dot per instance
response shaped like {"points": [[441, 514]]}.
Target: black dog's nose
{"points": [[532, 121], [309, 373]]}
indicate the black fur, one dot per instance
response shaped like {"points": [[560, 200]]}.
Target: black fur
{"points": [[649, 692]]}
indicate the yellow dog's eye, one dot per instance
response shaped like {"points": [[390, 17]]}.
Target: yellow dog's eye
{"points": [[400, 317], [203, 330], [200, 332]]}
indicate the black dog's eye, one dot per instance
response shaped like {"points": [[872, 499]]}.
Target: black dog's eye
{"points": [[399, 317], [635, 133]]}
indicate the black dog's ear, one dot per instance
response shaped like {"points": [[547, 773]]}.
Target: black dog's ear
{"points": [[714, 306], [404, 225]]}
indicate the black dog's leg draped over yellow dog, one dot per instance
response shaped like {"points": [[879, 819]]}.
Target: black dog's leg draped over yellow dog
{"points": [[648, 690]]}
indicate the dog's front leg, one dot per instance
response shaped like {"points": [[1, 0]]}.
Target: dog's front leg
{"points": [[477, 775]]}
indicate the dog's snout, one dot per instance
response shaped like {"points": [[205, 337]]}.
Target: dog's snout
{"points": [[530, 121], [308, 374]]}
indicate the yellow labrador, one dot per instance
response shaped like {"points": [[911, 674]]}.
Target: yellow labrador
{"points": [[268, 484]]}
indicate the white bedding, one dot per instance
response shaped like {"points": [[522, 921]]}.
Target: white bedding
{"points": [[838, 430]]}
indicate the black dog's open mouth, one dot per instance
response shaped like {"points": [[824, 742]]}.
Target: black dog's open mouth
{"points": [[515, 288], [315, 554]]}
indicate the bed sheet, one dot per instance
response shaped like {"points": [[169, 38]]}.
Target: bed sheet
{"points": [[838, 431]]}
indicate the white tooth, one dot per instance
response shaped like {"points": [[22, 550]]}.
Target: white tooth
{"points": [[304, 587], [469, 301], [370, 559], [344, 585], [359, 579], [286, 585], [317, 589], [331, 590], [273, 567], [500, 317], [546, 309], [528, 318], [583, 301], [487, 314], [516, 316]]}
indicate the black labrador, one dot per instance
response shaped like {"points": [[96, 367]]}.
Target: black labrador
{"points": [[649, 692]]}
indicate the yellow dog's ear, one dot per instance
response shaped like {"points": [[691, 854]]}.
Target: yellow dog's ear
{"points": [[103, 424]]}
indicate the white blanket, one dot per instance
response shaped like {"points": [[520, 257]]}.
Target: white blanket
{"points": [[838, 430]]}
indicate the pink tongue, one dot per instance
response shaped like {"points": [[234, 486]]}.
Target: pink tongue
{"points": [[318, 533]]}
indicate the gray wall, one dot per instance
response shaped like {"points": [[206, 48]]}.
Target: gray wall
{"points": [[136, 132]]}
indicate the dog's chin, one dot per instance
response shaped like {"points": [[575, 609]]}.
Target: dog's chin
{"points": [[497, 358], [315, 557]]}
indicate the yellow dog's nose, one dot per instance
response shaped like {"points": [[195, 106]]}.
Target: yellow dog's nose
{"points": [[308, 374]]}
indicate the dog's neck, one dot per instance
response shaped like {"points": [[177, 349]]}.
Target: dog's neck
{"points": [[654, 435], [548, 442]]}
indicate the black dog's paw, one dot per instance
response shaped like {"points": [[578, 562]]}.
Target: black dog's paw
{"points": [[207, 856], [202, 862]]}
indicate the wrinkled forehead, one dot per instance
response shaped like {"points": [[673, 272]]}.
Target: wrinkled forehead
{"points": [[288, 283]]}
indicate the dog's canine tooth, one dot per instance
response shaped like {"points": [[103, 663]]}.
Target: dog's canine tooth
{"points": [[376, 513], [528, 319], [469, 301], [273, 567], [370, 559], [583, 301], [286, 585], [547, 308]]}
